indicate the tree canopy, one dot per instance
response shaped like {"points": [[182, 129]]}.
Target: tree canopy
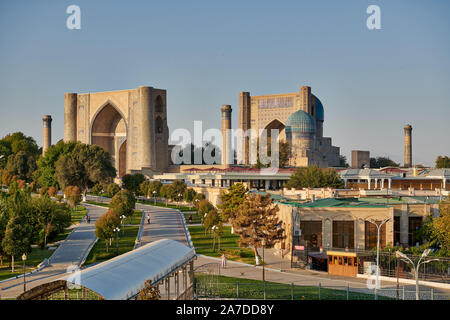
{"points": [[231, 200], [442, 162], [123, 203], [256, 220], [47, 163], [441, 225], [85, 166], [381, 162], [105, 225], [315, 177], [131, 182]]}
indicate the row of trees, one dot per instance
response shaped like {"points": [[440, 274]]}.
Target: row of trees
{"points": [[122, 204], [64, 164], [27, 220], [253, 217]]}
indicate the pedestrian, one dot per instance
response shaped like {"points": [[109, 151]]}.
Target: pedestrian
{"points": [[190, 219], [89, 219], [224, 261], [148, 218]]}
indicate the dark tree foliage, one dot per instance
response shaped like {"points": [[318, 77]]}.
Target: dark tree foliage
{"points": [[314, 177], [381, 162], [85, 166], [131, 182], [442, 162]]}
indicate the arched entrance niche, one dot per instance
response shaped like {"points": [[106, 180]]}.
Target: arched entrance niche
{"points": [[109, 131]]}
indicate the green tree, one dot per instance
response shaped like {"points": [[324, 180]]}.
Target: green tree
{"points": [[189, 195], [381, 162], [442, 162], [343, 161], [123, 203], [46, 173], [257, 220], [441, 225], [85, 166], [4, 218], [22, 165], [105, 225], [14, 143], [131, 182], [154, 186], [166, 191], [213, 223], [285, 153], [203, 207], [74, 196], [231, 200], [112, 189], [17, 239], [97, 189], [314, 177], [178, 187], [44, 208]]}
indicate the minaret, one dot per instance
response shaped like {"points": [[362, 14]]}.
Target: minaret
{"points": [[70, 117], [305, 99], [408, 146], [47, 134], [244, 125], [227, 153]]}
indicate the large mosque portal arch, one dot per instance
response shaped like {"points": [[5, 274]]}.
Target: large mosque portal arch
{"points": [[276, 124], [109, 131]]}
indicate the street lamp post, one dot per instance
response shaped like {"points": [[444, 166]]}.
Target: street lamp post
{"points": [[214, 235], [263, 243], [415, 267], [117, 230], [378, 246], [24, 258], [122, 219], [179, 199], [154, 197]]}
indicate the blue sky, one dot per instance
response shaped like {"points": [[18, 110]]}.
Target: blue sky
{"points": [[371, 82]]}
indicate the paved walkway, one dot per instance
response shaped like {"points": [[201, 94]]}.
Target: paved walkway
{"points": [[72, 251], [165, 223], [308, 278]]}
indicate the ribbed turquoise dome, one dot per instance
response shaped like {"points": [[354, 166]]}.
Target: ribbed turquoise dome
{"points": [[300, 121], [320, 114]]}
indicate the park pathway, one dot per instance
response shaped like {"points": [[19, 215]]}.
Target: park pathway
{"points": [[165, 223], [72, 252]]}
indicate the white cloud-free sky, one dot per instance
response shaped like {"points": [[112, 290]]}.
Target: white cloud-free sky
{"points": [[371, 82]]}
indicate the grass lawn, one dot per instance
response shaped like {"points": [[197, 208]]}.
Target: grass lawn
{"points": [[77, 215], [226, 287], [126, 243], [101, 204], [36, 256], [195, 218], [172, 206], [228, 243]]}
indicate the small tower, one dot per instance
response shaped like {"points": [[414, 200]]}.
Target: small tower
{"points": [[227, 154], [47, 133], [408, 146]]}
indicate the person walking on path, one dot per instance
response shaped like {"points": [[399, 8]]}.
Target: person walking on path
{"points": [[148, 218], [224, 261], [88, 219]]}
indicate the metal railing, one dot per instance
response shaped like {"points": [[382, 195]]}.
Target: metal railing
{"points": [[270, 291]]}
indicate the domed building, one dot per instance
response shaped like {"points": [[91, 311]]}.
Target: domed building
{"points": [[299, 117], [301, 134]]}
